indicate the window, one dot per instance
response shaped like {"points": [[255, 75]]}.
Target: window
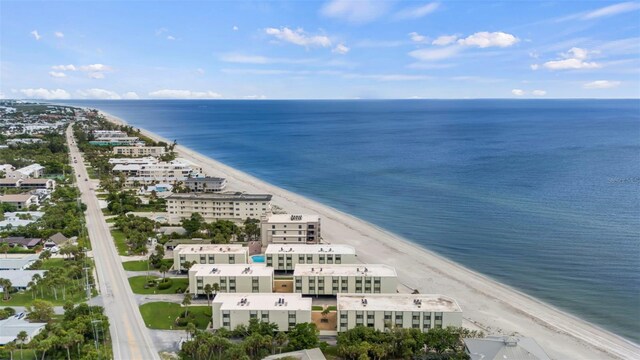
{"points": [[203, 259], [212, 259]]}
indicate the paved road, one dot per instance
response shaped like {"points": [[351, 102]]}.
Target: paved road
{"points": [[130, 337]]}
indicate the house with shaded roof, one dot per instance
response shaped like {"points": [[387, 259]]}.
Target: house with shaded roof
{"points": [[20, 201], [504, 347], [56, 239], [19, 241]]}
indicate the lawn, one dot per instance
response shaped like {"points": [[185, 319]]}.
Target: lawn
{"points": [[121, 242], [141, 265], [137, 285], [170, 311], [25, 298], [316, 308]]}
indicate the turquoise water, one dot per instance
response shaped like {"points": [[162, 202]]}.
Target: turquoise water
{"points": [[258, 258], [543, 195]]}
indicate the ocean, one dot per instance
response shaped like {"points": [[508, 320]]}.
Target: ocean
{"points": [[542, 195]]}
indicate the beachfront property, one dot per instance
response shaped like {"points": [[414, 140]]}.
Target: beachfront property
{"points": [[217, 206], [206, 184], [139, 150], [232, 278], [332, 279], [118, 141], [101, 134], [31, 171], [125, 161], [504, 347], [286, 257], [209, 254], [285, 310], [20, 201], [385, 311], [289, 229], [158, 188], [149, 173]]}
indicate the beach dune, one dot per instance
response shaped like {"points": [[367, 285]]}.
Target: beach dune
{"points": [[487, 305]]}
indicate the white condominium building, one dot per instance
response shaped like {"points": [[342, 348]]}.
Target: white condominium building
{"points": [[206, 184], [232, 278], [98, 134], [216, 206], [290, 229], [286, 257], [385, 311], [31, 171], [209, 254], [345, 278], [139, 161], [139, 150], [164, 172], [285, 310]]}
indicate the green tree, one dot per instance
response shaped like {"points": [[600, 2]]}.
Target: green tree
{"points": [[208, 290], [194, 224], [186, 302], [4, 247], [40, 310], [6, 288], [22, 338], [163, 269], [303, 336]]}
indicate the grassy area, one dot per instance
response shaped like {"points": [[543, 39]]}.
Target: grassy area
{"points": [[137, 285], [25, 298], [162, 315], [141, 265], [121, 242], [52, 263], [316, 308], [333, 308], [106, 212]]}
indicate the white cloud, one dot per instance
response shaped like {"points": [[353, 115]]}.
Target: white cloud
{"points": [[45, 94], [200, 71], [601, 84], [357, 12], [573, 59], [539, 92], [184, 94], [340, 49], [58, 34], [57, 74], [64, 67], [387, 77], [161, 31], [130, 96], [298, 37], [486, 39], [98, 94], [169, 37], [36, 35], [445, 40], [435, 54], [534, 66], [96, 75], [416, 12], [95, 67], [612, 10], [517, 92], [415, 37], [254, 97], [258, 59], [235, 28]]}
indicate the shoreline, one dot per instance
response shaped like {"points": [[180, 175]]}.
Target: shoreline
{"points": [[488, 305]]}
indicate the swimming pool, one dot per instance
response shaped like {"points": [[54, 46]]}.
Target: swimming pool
{"points": [[258, 258]]}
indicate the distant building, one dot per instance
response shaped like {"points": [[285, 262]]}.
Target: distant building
{"points": [[206, 184], [98, 134], [286, 257], [285, 310], [38, 184], [216, 206], [12, 326], [10, 182], [20, 201], [290, 229], [504, 347], [333, 279], [307, 354], [209, 254], [164, 172], [232, 278], [123, 141], [31, 171], [385, 311], [139, 150], [127, 161]]}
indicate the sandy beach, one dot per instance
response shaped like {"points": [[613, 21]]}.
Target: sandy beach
{"points": [[487, 304]]}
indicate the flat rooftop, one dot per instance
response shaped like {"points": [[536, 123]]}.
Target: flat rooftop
{"points": [[292, 218], [262, 301], [221, 196], [344, 270], [210, 249], [398, 302], [231, 270], [310, 249], [143, 160]]}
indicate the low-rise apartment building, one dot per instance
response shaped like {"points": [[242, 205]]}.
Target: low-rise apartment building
{"points": [[311, 279], [38, 184], [231, 278], [206, 184], [285, 310], [286, 257], [290, 229], [385, 311], [148, 160], [209, 254], [139, 150], [108, 134], [31, 171], [20, 201], [163, 172], [217, 206]]}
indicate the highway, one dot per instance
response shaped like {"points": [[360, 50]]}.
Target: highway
{"points": [[130, 337]]}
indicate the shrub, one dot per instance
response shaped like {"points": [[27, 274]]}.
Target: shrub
{"points": [[164, 285], [179, 290]]}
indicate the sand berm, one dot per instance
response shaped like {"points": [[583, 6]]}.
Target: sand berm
{"points": [[487, 304]]}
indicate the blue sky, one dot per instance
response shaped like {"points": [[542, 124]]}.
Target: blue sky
{"points": [[317, 50]]}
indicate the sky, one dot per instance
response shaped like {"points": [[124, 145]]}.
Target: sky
{"points": [[332, 49]]}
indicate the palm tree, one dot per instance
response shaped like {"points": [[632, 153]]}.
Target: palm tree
{"points": [[215, 287], [280, 339], [22, 337], [191, 330], [208, 290], [6, 288], [4, 248], [11, 346], [186, 302]]}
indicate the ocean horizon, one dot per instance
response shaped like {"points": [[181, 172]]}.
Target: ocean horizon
{"points": [[542, 195]]}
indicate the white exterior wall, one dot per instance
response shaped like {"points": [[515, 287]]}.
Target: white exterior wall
{"points": [[216, 209], [259, 279], [279, 229], [332, 284], [139, 150], [209, 255], [285, 261]]}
